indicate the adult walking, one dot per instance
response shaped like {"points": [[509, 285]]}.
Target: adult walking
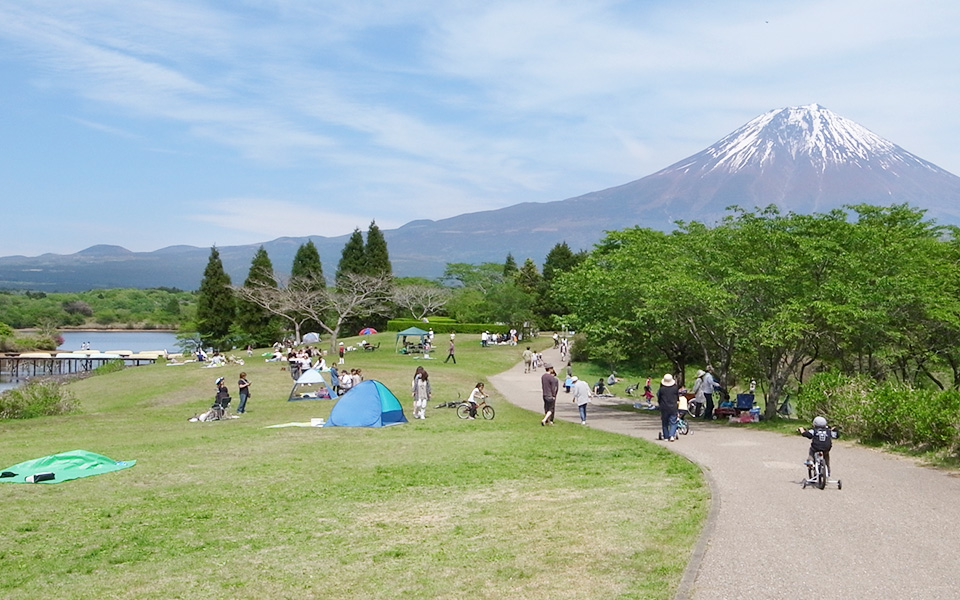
{"points": [[668, 397], [451, 351], [244, 385], [581, 395], [709, 385], [527, 359], [549, 385]]}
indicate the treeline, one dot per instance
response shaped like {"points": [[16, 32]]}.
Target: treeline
{"points": [[363, 292], [140, 308], [874, 291]]}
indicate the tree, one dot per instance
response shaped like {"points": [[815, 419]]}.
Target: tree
{"points": [[301, 300], [420, 299], [529, 279], [259, 325], [293, 300], [510, 266], [481, 277], [376, 257], [353, 257], [307, 265], [215, 302]]}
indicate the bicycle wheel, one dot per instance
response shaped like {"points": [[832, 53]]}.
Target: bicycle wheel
{"points": [[463, 411], [488, 412], [682, 428], [821, 475]]}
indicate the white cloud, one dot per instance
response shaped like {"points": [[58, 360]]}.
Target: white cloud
{"points": [[269, 219]]}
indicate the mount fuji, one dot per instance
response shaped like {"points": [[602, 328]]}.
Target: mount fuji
{"points": [[804, 159]]}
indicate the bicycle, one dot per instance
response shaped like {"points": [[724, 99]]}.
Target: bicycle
{"points": [[818, 473], [682, 427], [484, 409]]}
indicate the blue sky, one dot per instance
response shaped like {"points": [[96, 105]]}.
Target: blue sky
{"points": [[152, 123]]}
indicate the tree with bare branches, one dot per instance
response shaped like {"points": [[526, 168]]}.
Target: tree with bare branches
{"points": [[421, 300], [300, 300]]}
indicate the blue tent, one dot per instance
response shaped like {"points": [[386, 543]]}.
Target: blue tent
{"points": [[367, 404]]}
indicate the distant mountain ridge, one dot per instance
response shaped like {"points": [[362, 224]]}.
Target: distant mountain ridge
{"points": [[804, 159]]}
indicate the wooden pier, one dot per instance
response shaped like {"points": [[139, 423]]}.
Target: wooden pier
{"points": [[34, 364]]}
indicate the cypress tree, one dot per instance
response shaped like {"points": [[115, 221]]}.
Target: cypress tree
{"points": [[260, 326], [353, 258], [215, 302], [307, 265], [377, 257], [510, 266]]}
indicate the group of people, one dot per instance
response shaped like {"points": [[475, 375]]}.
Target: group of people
{"points": [[531, 360], [510, 338]]}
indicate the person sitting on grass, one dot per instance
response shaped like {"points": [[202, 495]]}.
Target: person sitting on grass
{"points": [[476, 397]]}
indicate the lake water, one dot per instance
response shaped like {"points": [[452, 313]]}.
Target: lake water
{"points": [[104, 341], [134, 341]]}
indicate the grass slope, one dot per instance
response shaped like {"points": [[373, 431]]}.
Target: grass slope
{"points": [[439, 508]]}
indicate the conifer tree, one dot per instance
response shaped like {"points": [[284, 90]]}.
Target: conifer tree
{"points": [[260, 327], [375, 252], [353, 257], [307, 265], [510, 266], [215, 302], [528, 278]]}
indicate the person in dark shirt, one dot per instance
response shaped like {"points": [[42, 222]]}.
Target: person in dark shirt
{"points": [[549, 385], [821, 438]]}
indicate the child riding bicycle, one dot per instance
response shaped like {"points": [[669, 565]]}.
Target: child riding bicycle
{"points": [[821, 438], [476, 397]]}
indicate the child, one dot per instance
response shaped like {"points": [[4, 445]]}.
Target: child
{"points": [[822, 439], [476, 397]]}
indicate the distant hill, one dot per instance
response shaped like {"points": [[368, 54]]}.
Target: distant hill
{"points": [[804, 159]]}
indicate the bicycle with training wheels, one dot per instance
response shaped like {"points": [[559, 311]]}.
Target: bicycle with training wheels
{"points": [[483, 409], [683, 428], [818, 473]]}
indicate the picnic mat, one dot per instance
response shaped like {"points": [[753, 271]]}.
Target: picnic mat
{"points": [[63, 467]]}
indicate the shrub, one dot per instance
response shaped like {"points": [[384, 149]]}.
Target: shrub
{"points": [[886, 412], [36, 399], [111, 366]]}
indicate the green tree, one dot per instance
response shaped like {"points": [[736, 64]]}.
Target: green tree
{"points": [[258, 326], [215, 302], [529, 279], [510, 266], [306, 264], [376, 257], [353, 257]]}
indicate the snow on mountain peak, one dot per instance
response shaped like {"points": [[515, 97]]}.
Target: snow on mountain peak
{"points": [[811, 134]]}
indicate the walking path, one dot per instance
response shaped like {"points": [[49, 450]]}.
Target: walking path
{"points": [[893, 531]]}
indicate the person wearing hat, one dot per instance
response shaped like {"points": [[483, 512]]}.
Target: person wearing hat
{"points": [[550, 385], [581, 395], [668, 397], [222, 391]]}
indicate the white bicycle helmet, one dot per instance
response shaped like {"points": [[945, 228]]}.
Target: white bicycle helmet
{"points": [[819, 422]]}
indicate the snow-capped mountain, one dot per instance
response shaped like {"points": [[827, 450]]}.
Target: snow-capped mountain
{"points": [[804, 159]]}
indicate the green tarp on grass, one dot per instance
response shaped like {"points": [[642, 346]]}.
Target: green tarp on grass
{"points": [[65, 466]]}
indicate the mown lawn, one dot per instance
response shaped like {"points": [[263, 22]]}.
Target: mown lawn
{"points": [[439, 508]]}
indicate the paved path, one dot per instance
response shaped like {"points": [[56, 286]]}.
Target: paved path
{"points": [[893, 531]]}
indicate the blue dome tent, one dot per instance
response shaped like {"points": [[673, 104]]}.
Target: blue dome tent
{"points": [[367, 404]]}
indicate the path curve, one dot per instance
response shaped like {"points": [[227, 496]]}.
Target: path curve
{"points": [[891, 532]]}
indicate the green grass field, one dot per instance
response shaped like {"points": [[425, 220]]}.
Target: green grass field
{"points": [[439, 508]]}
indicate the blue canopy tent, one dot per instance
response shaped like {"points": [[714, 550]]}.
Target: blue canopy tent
{"points": [[367, 404]]}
